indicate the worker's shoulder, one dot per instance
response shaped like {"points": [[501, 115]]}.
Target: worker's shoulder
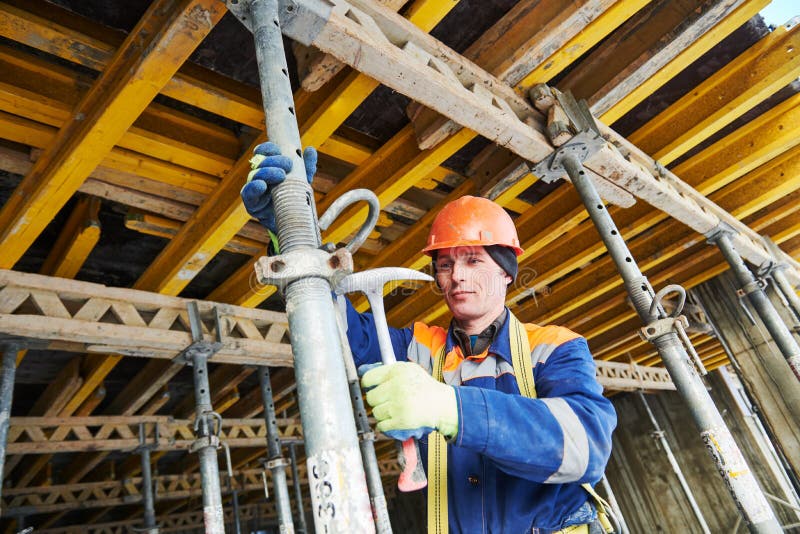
{"points": [[549, 334], [431, 336]]}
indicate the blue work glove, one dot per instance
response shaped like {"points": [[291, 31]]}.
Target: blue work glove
{"points": [[269, 167], [408, 402]]}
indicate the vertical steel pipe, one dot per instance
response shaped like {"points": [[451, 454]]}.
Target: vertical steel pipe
{"points": [[275, 462], [206, 447], [149, 521], [616, 510], [298, 492], [659, 435], [6, 397], [758, 298], [336, 477], [717, 437]]}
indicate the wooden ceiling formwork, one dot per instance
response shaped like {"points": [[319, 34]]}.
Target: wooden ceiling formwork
{"points": [[122, 159]]}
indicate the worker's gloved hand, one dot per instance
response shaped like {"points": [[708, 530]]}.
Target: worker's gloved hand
{"points": [[408, 402], [269, 167]]}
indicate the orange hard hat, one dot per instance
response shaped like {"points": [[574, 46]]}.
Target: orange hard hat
{"points": [[472, 221]]}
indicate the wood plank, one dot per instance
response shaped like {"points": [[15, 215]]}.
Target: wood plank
{"points": [[757, 73]]}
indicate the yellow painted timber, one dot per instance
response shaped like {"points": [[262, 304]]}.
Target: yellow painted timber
{"points": [[426, 14], [198, 242], [147, 60], [593, 33], [691, 53], [765, 185], [78, 237], [191, 87], [738, 153], [756, 74], [156, 225]]}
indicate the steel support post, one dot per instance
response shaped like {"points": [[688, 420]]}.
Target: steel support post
{"points": [[298, 492], [612, 500], [275, 462], [658, 433], [718, 439], [149, 520], [339, 497], [785, 287], [237, 525], [207, 429], [758, 298], [6, 397]]}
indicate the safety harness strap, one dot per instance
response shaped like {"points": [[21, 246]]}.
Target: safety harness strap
{"points": [[437, 446]]}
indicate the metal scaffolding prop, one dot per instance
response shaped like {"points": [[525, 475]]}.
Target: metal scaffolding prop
{"points": [[304, 272], [658, 434], [298, 492], [207, 422], [754, 289], [275, 462], [9, 370], [665, 333], [149, 520]]}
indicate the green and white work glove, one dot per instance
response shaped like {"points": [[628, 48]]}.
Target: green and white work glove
{"points": [[408, 402]]}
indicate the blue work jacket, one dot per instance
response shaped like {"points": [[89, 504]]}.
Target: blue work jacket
{"points": [[516, 463]]}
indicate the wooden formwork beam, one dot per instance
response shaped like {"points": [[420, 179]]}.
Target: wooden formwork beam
{"points": [[146, 61]]}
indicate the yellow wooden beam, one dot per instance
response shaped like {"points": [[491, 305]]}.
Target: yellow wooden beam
{"points": [[738, 153], [146, 61], [756, 74], [685, 58], [590, 35], [77, 239]]}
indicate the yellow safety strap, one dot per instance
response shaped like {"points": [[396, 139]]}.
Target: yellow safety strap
{"points": [[437, 446]]}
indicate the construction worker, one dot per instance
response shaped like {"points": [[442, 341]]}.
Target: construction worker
{"points": [[519, 458]]}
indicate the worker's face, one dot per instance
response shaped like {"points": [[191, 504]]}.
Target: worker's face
{"points": [[474, 286]]}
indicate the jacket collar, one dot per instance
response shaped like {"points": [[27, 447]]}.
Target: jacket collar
{"points": [[500, 345]]}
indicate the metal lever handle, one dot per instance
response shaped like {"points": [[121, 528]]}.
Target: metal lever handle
{"points": [[338, 206]]}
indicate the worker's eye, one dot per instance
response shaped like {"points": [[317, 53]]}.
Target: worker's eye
{"points": [[444, 266], [475, 260]]}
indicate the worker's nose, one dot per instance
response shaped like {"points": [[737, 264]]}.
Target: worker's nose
{"points": [[459, 271]]}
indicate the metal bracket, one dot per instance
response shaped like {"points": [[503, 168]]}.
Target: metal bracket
{"points": [[286, 268], [276, 463], [199, 346], [367, 436], [660, 327], [204, 441], [758, 285], [143, 445], [583, 145], [722, 228]]}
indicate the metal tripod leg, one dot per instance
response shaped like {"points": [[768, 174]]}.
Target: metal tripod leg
{"points": [[275, 462], [758, 298], [718, 439], [339, 497], [6, 396]]}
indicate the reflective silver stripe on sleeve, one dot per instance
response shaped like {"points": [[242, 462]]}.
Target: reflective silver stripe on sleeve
{"points": [[575, 457], [541, 352]]}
